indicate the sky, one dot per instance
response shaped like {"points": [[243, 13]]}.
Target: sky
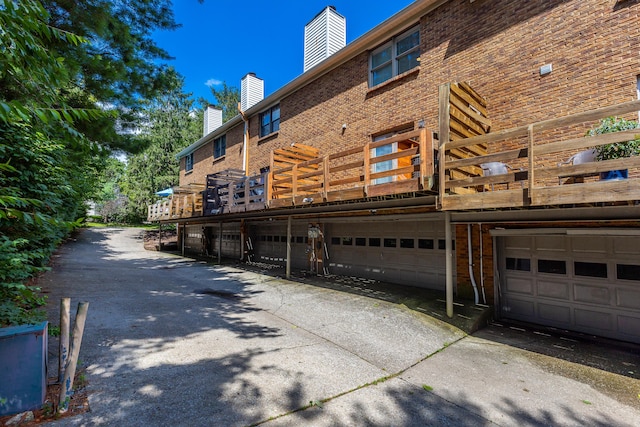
{"points": [[222, 40]]}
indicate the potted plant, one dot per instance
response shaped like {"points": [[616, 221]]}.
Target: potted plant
{"points": [[616, 150]]}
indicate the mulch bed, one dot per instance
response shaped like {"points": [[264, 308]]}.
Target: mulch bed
{"points": [[152, 241]]}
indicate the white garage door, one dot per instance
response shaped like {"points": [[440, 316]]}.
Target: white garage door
{"points": [[587, 283]]}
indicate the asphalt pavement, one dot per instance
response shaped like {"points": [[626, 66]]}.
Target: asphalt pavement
{"points": [[174, 341]]}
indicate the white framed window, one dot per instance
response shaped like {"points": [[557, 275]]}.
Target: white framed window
{"points": [[398, 55], [188, 162], [270, 121], [219, 146]]}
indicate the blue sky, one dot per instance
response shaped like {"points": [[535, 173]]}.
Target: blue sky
{"points": [[222, 40]]}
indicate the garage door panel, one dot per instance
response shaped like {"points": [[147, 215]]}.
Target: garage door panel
{"points": [[520, 308], [628, 298], [554, 314], [517, 242], [629, 325], [588, 245], [626, 246], [522, 286], [593, 320], [551, 243], [556, 290], [592, 294]]}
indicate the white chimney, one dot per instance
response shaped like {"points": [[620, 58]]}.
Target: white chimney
{"points": [[251, 91], [324, 35], [212, 119]]}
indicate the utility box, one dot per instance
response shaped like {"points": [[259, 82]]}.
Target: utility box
{"points": [[23, 368]]}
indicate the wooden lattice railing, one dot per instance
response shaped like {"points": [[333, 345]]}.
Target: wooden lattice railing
{"points": [[538, 178]]}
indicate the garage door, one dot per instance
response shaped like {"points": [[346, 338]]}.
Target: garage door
{"points": [[405, 252], [587, 283]]}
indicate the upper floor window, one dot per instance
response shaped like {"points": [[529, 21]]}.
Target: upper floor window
{"points": [[270, 121], [188, 162], [395, 57], [219, 146]]}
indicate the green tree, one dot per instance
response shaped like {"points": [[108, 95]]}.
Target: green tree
{"points": [[172, 126], [227, 100]]}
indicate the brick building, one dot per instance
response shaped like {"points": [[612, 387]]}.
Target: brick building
{"points": [[453, 86]]}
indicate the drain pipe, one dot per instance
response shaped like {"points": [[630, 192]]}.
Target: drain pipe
{"points": [[484, 297], [245, 142], [473, 279]]}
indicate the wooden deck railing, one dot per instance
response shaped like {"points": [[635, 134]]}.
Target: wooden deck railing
{"points": [[537, 177], [231, 191], [353, 174]]}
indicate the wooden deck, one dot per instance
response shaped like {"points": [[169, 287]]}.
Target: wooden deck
{"points": [[476, 169], [537, 177]]}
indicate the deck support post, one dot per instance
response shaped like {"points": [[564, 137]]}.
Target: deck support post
{"points": [[448, 263], [288, 268], [220, 243]]}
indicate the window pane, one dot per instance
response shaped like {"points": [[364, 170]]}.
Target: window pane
{"points": [[590, 269], [374, 241], [361, 241], [552, 266], [275, 113], [275, 126], [628, 271], [299, 239], [390, 243], [425, 243], [380, 75], [269, 238], [408, 43], [335, 240], [265, 130], [347, 241], [266, 118], [276, 238], [407, 62], [520, 264], [381, 57], [407, 243]]}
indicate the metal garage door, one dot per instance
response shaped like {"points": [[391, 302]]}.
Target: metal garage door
{"points": [[405, 252], [270, 243], [588, 283]]}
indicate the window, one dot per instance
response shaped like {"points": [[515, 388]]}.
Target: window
{"points": [[219, 146], [552, 266], [407, 243], [628, 271], [374, 241], [397, 56], [519, 264], [335, 240], [590, 269], [347, 241], [188, 162], [361, 241], [270, 121], [425, 243], [390, 243]]}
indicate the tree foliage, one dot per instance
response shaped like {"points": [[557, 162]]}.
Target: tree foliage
{"points": [[227, 100], [72, 76], [172, 126]]}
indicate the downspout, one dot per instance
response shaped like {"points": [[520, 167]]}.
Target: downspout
{"points": [[471, 276], [484, 297], [245, 142]]}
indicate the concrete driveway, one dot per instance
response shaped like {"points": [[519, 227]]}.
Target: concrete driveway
{"points": [[171, 341]]}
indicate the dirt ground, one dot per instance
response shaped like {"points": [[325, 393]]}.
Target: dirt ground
{"points": [[152, 240]]}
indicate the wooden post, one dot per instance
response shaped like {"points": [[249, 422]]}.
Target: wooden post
{"points": [[66, 389], [325, 178], [531, 163], [63, 352], [443, 135], [294, 183], [288, 268], [367, 168]]}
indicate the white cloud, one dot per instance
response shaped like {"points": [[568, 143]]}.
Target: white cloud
{"points": [[213, 82]]}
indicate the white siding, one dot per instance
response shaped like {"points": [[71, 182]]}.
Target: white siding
{"points": [[212, 120], [324, 36], [251, 91]]}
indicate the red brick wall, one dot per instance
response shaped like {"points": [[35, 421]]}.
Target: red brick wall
{"points": [[498, 46]]}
